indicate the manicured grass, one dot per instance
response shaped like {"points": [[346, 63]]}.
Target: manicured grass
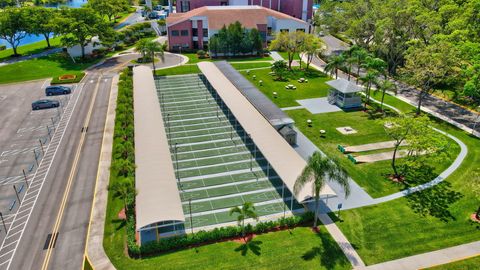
{"points": [[430, 220], [299, 248], [393, 101], [246, 66], [32, 48], [315, 87], [468, 264], [371, 176], [185, 69], [44, 67], [193, 58]]}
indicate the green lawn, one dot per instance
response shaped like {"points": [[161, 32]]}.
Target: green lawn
{"points": [[371, 176], [246, 66], [32, 48], [315, 87], [185, 69], [44, 67], [300, 249], [467, 264], [193, 58], [433, 219]]}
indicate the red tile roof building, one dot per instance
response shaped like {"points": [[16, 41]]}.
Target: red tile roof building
{"points": [[191, 30], [301, 9]]}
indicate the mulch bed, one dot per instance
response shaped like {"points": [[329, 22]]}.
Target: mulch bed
{"points": [[474, 218], [67, 77]]}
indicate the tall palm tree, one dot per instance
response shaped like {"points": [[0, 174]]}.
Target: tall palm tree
{"points": [[141, 47], [368, 80], [154, 48], [384, 86], [246, 211], [319, 171], [334, 64], [123, 188], [360, 55]]}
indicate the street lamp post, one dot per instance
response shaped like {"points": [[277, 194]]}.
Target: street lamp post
{"points": [[191, 218], [3, 221], [25, 177]]}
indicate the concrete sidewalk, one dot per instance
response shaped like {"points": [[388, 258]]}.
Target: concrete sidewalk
{"points": [[430, 259], [94, 250]]}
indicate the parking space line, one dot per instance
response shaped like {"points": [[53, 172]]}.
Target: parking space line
{"points": [[53, 146]]}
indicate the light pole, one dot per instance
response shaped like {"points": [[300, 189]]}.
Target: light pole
{"points": [[25, 177], [175, 149], [191, 218], [16, 193], [3, 221]]}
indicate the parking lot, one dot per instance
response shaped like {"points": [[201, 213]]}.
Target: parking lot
{"points": [[24, 136]]}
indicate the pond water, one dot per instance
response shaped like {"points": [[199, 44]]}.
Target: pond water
{"points": [[34, 38]]}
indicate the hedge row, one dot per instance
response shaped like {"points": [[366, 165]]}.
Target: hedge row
{"points": [[215, 235], [123, 151]]}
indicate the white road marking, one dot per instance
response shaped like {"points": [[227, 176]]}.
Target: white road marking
{"points": [[35, 190]]}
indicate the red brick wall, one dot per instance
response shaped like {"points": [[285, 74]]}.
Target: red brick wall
{"points": [[174, 40]]}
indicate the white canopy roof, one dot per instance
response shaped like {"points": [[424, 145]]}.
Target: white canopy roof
{"points": [[158, 198], [345, 86], [282, 157]]}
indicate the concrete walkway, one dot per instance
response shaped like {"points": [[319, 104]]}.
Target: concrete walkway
{"points": [[276, 56], [445, 110], [430, 259], [31, 56], [94, 248]]}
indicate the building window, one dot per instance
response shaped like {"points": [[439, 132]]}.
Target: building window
{"points": [[195, 45], [184, 33], [195, 32], [284, 30], [174, 33], [205, 32], [223, 3], [263, 35], [301, 30], [269, 31], [205, 45], [184, 6]]}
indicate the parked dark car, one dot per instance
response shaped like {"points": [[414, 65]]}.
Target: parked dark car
{"points": [[45, 104], [57, 90]]}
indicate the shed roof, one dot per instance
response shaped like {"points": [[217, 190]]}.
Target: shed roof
{"points": [[158, 198], [345, 86], [265, 106], [286, 162]]}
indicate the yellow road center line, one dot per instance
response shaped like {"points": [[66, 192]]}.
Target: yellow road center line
{"points": [[73, 172]]}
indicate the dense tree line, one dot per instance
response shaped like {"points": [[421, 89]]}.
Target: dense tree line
{"points": [[75, 25], [442, 34], [234, 40]]}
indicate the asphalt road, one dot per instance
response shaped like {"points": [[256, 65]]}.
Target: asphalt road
{"points": [[65, 197]]}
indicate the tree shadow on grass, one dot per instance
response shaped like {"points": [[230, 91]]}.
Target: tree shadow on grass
{"points": [[435, 201], [328, 253], [120, 223], [253, 246]]}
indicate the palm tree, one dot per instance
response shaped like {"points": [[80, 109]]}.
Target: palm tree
{"points": [[384, 86], [318, 171], [123, 188], [368, 81], [246, 211], [153, 48], [141, 47], [360, 55], [335, 63]]}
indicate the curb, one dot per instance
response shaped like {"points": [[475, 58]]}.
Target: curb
{"points": [[94, 248]]}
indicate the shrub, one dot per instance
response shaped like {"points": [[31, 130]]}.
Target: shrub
{"points": [[201, 54], [3, 47], [215, 235]]}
